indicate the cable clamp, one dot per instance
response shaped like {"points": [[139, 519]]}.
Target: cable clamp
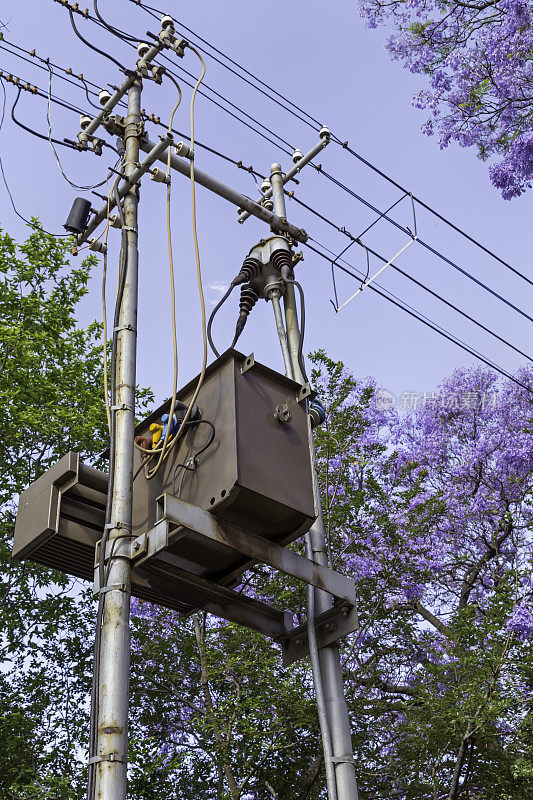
{"points": [[123, 407], [107, 757], [124, 328], [117, 526], [128, 228], [343, 759], [114, 587]]}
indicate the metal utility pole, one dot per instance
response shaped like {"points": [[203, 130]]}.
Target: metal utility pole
{"points": [[330, 673], [113, 678]]}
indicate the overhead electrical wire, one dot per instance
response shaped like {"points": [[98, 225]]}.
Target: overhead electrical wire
{"points": [[37, 63], [15, 209], [355, 240], [51, 140], [344, 231], [92, 46], [312, 122], [382, 292]]}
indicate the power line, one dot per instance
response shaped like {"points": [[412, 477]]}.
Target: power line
{"points": [[398, 302], [392, 298], [15, 209], [343, 144]]}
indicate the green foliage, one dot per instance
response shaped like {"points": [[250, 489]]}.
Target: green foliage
{"points": [[51, 401]]}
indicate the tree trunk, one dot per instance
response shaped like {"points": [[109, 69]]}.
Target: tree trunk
{"points": [[210, 710]]}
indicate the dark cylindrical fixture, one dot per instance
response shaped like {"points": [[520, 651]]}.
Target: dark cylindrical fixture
{"points": [[79, 214]]}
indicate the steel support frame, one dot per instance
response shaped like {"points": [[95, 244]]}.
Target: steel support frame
{"points": [[329, 681]]}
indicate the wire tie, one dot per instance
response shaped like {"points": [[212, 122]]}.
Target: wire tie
{"points": [[129, 228], [114, 587], [124, 328], [123, 407], [107, 757]]}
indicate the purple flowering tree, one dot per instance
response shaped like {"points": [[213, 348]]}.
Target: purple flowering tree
{"points": [[431, 513], [477, 57]]}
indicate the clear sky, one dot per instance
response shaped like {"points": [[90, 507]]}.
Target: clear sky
{"points": [[322, 57]]}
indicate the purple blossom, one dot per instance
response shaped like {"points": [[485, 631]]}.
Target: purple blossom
{"points": [[478, 62], [521, 623]]}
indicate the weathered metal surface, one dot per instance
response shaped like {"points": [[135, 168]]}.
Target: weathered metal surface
{"points": [[331, 625], [195, 519]]}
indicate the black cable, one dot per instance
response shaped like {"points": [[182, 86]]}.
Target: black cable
{"points": [[92, 46], [17, 212], [212, 316], [344, 145], [425, 320], [36, 133], [199, 452], [112, 28], [431, 210], [110, 488], [315, 122], [425, 244]]}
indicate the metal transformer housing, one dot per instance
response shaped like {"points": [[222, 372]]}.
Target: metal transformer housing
{"points": [[257, 472], [256, 475]]}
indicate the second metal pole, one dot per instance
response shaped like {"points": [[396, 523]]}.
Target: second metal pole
{"points": [[329, 657]]}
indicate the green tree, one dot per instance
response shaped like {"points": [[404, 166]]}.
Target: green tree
{"points": [[51, 401]]}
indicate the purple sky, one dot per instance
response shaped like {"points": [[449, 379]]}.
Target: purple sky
{"points": [[323, 58]]}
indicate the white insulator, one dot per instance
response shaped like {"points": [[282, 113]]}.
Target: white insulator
{"points": [[297, 155], [97, 246], [324, 132], [184, 150], [266, 186], [167, 22], [142, 49], [159, 175], [85, 121], [104, 97]]}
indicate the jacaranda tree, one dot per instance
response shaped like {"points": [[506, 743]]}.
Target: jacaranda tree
{"points": [[430, 512], [477, 57]]}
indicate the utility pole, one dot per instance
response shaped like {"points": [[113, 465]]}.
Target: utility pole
{"points": [[113, 576], [113, 678], [330, 673]]}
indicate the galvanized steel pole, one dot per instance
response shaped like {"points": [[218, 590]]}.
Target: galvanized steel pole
{"points": [[113, 684], [329, 657]]}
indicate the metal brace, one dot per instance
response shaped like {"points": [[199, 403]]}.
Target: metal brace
{"points": [[107, 757], [343, 759], [248, 363], [124, 328], [122, 407]]}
